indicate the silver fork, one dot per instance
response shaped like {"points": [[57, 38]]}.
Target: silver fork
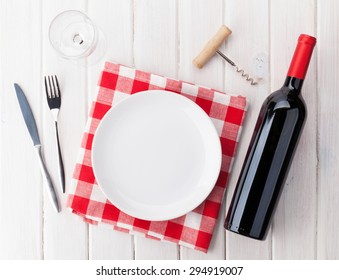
{"points": [[54, 103]]}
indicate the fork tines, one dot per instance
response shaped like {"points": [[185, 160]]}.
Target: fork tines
{"points": [[52, 86], [52, 92]]}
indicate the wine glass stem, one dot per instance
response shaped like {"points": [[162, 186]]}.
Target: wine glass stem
{"points": [[77, 39]]}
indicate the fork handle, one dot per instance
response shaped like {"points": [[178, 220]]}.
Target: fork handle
{"points": [[61, 164]]}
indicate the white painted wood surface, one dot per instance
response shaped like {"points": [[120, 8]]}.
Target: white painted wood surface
{"points": [[163, 37]]}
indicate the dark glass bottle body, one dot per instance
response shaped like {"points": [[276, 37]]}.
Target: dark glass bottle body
{"points": [[268, 158]]}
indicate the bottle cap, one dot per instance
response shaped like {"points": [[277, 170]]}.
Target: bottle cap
{"points": [[302, 56], [304, 38]]}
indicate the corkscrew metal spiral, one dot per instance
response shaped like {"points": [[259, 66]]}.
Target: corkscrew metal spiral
{"points": [[241, 71], [212, 47]]}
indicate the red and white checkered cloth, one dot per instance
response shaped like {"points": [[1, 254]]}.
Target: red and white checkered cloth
{"points": [[194, 229]]}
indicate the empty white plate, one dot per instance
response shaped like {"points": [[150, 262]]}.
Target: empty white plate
{"points": [[156, 155]]}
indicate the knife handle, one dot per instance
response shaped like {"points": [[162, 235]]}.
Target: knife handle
{"points": [[50, 188]]}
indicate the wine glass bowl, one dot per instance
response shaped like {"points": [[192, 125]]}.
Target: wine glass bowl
{"points": [[74, 36]]}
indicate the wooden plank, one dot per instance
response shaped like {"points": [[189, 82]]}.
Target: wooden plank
{"points": [[65, 235], [248, 47], [196, 28], [115, 20], [328, 133], [107, 244], [155, 50], [20, 180], [294, 225]]}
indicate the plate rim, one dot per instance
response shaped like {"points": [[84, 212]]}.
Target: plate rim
{"points": [[218, 163]]}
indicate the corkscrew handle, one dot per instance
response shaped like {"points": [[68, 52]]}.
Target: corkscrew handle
{"points": [[212, 46]]}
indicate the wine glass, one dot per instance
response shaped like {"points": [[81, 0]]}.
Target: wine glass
{"points": [[74, 36]]}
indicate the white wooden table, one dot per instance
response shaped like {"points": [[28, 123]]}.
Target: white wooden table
{"points": [[162, 36]]}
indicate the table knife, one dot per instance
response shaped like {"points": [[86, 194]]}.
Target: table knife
{"points": [[33, 131]]}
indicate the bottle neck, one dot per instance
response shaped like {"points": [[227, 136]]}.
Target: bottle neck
{"points": [[294, 84], [299, 64]]}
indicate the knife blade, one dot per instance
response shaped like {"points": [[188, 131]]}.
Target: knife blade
{"points": [[33, 131], [27, 114]]}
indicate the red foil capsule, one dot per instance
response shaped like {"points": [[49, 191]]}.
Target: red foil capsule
{"points": [[302, 56]]}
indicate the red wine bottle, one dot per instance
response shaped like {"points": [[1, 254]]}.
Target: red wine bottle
{"points": [[271, 150]]}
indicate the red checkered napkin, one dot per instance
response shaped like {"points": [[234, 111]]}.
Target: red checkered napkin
{"points": [[86, 199]]}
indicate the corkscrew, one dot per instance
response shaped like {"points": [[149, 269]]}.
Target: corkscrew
{"points": [[212, 47]]}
